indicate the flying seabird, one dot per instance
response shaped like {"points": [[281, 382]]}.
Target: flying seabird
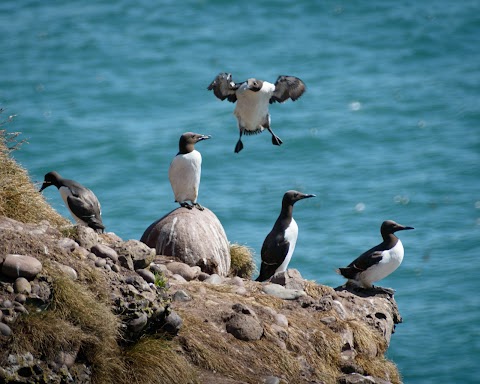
{"points": [[279, 244], [252, 97], [378, 262], [81, 201], [185, 170]]}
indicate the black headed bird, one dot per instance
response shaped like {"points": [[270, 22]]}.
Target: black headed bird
{"points": [[278, 246], [81, 201], [185, 170], [379, 261], [253, 97]]}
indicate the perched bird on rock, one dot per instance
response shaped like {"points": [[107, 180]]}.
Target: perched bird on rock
{"points": [[253, 97], [379, 261], [81, 201], [185, 170], [278, 246]]}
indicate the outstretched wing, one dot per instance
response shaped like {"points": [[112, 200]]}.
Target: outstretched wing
{"points": [[224, 87], [287, 87]]}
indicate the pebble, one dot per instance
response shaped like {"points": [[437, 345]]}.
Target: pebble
{"points": [[21, 266], [173, 323], [181, 295], [214, 279], [100, 263], [105, 252], [116, 268], [181, 269], [21, 298], [179, 278], [21, 285], [283, 293], [148, 276]]}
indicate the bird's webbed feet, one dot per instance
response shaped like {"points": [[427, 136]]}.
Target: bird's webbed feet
{"points": [[186, 205], [198, 206], [239, 146], [275, 139]]}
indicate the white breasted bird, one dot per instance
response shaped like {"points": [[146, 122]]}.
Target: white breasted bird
{"points": [[185, 170], [81, 201], [379, 261], [278, 246], [253, 97]]}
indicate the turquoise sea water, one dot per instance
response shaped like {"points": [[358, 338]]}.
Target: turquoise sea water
{"points": [[388, 129]]}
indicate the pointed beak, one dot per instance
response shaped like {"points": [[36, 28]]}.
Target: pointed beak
{"points": [[204, 137], [306, 196], [402, 228], [44, 185]]}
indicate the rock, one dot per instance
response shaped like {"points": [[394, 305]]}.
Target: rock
{"points": [[68, 271], [104, 252], [148, 276], [173, 323], [86, 237], [5, 330], [282, 293], [213, 279], [138, 324], [140, 254], [178, 278], [290, 279], [67, 244], [193, 236], [21, 298], [281, 320], [21, 266], [244, 327], [181, 295], [355, 378], [21, 285], [100, 263], [181, 269], [126, 261]]}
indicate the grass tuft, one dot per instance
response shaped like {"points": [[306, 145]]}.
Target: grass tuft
{"points": [[242, 263]]}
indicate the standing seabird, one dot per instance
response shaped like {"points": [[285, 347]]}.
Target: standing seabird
{"points": [[378, 262], [81, 201], [185, 170], [278, 246], [252, 97]]}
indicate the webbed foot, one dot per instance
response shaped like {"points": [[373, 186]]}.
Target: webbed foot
{"points": [[239, 146], [198, 206], [186, 205]]}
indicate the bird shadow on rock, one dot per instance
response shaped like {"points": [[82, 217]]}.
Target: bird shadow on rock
{"points": [[366, 292]]}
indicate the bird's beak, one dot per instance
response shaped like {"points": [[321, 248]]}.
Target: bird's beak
{"points": [[44, 185], [402, 228], [204, 137], [306, 196]]}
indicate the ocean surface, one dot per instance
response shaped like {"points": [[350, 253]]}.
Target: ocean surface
{"points": [[388, 129]]}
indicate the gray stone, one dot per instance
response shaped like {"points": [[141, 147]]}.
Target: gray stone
{"points": [[5, 330], [21, 298], [178, 278], [104, 251], [173, 323], [244, 327], [181, 295], [140, 254], [195, 237], [116, 268], [290, 279], [68, 271], [21, 266], [282, 293], [126, 261], [138, 324], [181, 269], [214, 279], [21, 285], [86, 237], [68, 244], [100, 263], [202, 276], [148, 276]]}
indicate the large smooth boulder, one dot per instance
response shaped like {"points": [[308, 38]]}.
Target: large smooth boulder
{"points": [[194, 237]]}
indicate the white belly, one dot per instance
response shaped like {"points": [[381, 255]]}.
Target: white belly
{"points": [[184, 174], [252, 107], [291, 235], [391, 260]]}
